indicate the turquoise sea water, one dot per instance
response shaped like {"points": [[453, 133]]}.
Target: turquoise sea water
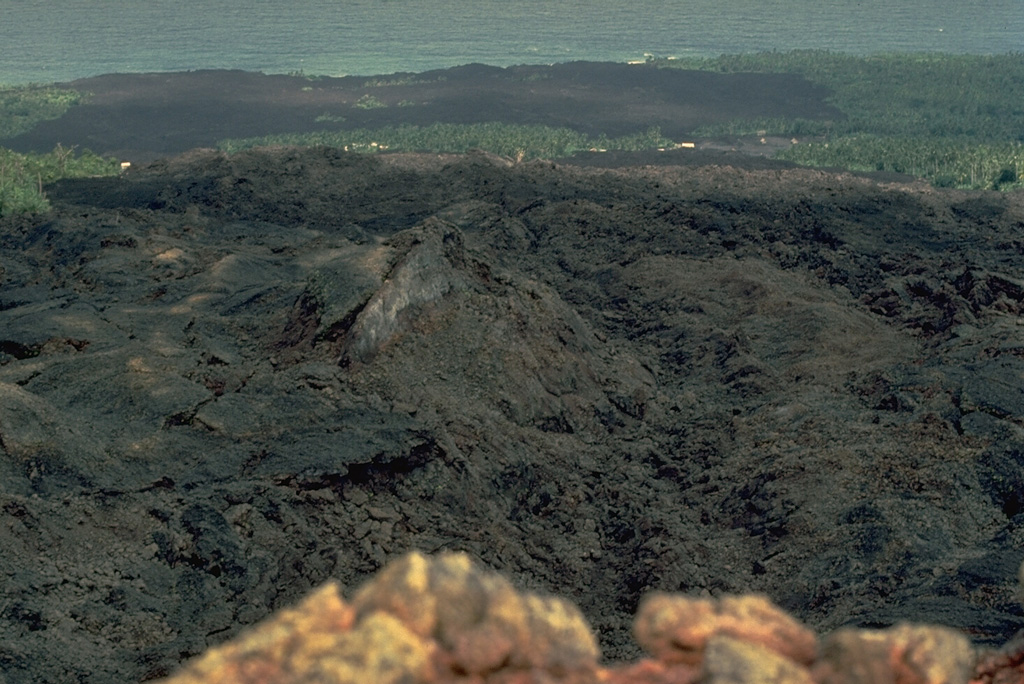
{"points": [[48, 40]]}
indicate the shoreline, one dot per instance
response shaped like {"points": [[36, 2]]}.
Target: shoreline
{"points": [[195, 109], [8, 81]]}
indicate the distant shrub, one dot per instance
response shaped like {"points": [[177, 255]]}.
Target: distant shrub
{"points": [[23, 107], [369, 102], [1007, 176], [22, 176]]}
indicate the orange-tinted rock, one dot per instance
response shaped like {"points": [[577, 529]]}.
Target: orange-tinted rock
{"points": [[279, 650], [904, 654], [650, 671], [677, 628], [559, 638], [1003, 666], [420, 620], [380, 649], [479, 618], [441, 620], [731, 661]]}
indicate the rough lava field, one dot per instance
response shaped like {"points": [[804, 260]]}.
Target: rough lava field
{"points": [[227, 380]]}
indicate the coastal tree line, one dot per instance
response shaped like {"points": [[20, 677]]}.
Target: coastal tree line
{"points": [[955, 120], [516, 141]]}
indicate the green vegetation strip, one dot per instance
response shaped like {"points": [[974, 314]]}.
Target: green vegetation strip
{"points": [[22, 107], [511, 140], [953, 163], [952, 119], [22, 176]]}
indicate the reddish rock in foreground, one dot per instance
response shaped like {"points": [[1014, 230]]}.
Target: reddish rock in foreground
{"points": [[679, 629], [1004, 666], [420, 620], [441, 619]]}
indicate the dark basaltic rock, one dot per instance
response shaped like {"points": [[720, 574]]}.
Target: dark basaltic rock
{"points": [[163, 114], [226, 380]]}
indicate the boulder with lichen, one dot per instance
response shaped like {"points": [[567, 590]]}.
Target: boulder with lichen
{"points": [[903, 654], [422, 619], [679, 628], [443, 620]]}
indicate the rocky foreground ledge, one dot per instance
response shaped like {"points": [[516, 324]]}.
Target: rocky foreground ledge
{"points": [[442, 619]]}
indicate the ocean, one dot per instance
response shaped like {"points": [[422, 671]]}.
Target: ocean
{"points": [[44, 41]]}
